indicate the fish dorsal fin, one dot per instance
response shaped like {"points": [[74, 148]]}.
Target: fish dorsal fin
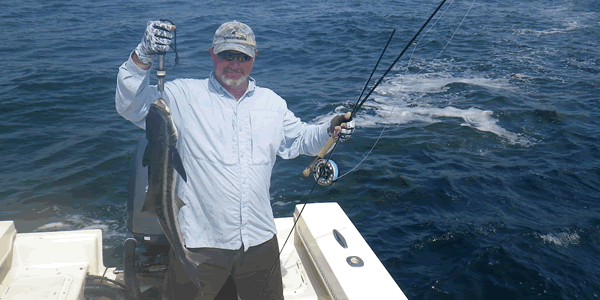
{"points": [[177, 163], [147, 155]]}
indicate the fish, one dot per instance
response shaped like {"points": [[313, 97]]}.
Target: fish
{"points": [[163, 160]]}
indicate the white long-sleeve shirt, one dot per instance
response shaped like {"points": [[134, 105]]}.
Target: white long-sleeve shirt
{"points": [[228, 149]]}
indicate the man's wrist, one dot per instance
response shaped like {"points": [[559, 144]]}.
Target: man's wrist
{"points": [[138, 63]]}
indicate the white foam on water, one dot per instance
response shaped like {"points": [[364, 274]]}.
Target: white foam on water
{"points": [[481, 120], [569, 27], [53, 226], [562, 23], [434, 83], [110, 228], [563, 239], [406, 99]]}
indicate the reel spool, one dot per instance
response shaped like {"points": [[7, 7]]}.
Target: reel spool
{"points": [[325, 172]]}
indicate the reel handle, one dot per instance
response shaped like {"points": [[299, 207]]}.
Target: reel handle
{"points": [[324, 150], [320, 155]]}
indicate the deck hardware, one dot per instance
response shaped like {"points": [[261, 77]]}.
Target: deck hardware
{"points": [[355, 261], [340, 239]]}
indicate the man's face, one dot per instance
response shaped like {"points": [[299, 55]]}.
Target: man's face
{"points": [[231, 71]]}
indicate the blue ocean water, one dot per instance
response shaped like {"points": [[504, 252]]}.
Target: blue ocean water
{"points": [[483, 171]]}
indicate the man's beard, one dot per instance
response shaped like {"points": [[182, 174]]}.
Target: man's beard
{"points": [[233, 82]]}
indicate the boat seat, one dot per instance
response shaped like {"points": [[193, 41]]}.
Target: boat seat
{"points": [[47, 265]]}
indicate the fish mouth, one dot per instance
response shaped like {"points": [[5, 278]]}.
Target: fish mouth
{"points": [[161, 103], [164, 130]]}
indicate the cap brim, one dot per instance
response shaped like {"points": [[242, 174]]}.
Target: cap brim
{"points": [[246, 49]]}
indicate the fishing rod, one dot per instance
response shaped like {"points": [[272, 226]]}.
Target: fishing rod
{"points": [[317, 160], [361, 102], [329, 169], [323, 169], [307, 171]]}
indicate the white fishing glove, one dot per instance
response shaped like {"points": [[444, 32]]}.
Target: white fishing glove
{"points": [[346, 127], [157, 38]]}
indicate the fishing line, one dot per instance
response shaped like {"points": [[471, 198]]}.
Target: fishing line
{"points": [[411, 56], [427, 32], [394, 106], [458, 27], [376, 65], [359, 103], [449, 40], [276, 263], [316, 182], [173, 45]]}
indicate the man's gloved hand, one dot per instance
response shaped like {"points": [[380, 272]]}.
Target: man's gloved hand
{"points": [[157, 38], [341, 127]]}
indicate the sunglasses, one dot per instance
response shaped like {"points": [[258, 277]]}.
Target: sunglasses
{"points": [[229, 56]]}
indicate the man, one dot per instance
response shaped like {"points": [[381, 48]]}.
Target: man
{"points": [[230, 133]]}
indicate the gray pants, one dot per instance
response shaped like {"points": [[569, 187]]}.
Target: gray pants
{"points": [[249, 271]]}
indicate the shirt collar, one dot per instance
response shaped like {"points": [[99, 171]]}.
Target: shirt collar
{"points": [[216, 85]]}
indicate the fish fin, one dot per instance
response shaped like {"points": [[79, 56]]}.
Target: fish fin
{"points": [[178, 202], [149, 205], [177, 163], [147, 155]]}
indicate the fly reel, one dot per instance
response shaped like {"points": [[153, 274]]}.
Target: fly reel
{"points": [[325, 172]]}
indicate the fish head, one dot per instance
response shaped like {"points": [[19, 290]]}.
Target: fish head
{"points": [[159, 124]]}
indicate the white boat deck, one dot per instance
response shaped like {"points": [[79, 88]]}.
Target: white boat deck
{"points": [[49, 265], [326, 258]]}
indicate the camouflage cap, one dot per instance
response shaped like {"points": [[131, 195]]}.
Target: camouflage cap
{"points": [[234, 36]]}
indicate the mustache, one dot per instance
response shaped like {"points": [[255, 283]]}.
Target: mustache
{"points": [[229, 69]]}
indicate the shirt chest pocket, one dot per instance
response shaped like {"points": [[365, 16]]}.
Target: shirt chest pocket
{"points": [[267, 134], [209, 137]]}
